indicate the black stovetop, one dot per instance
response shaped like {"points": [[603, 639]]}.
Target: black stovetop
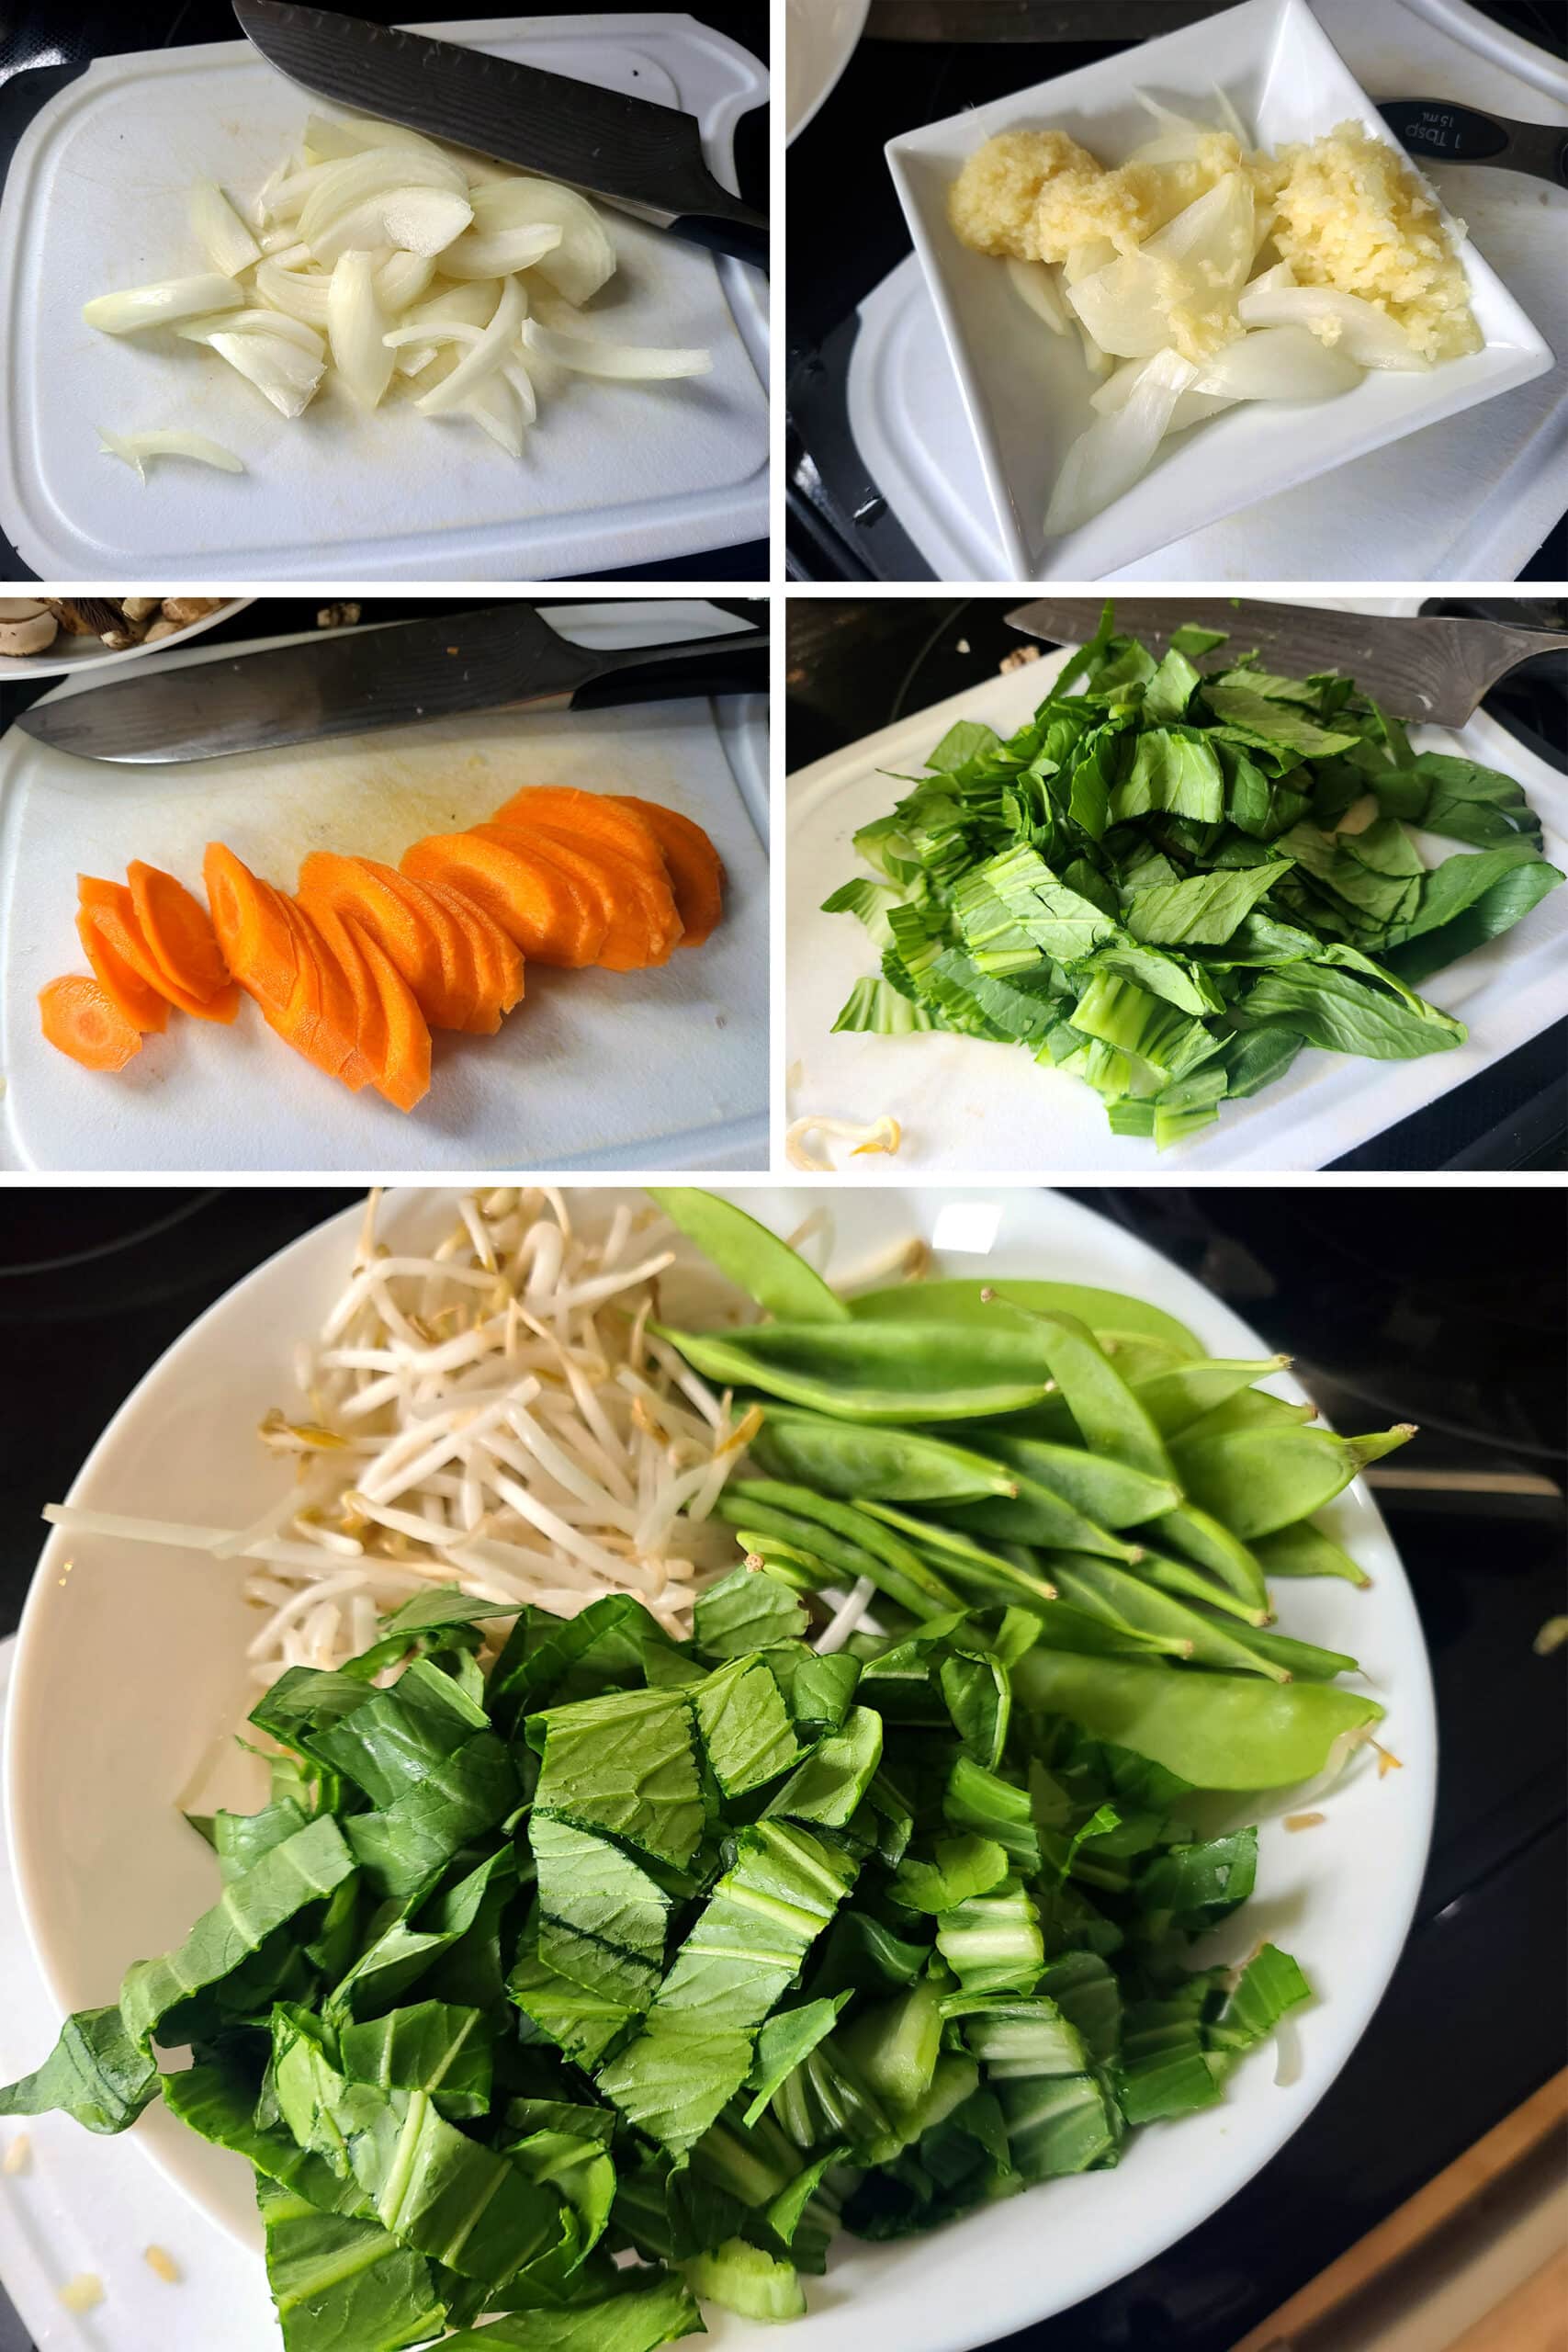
{"points": [[44, 44], [855, 665], [847, 232], [1446, 1305]]}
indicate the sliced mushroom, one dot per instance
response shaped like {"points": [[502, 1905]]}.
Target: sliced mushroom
{"points": [[184, 610], [140, 608], [26, 626], [163, 628], [85, 616]]}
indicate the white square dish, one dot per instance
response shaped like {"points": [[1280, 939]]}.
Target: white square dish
{"points": [[1027, 392]]}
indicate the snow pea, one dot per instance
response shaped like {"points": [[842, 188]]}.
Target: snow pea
{"points": [[1126, 1600], [1198, 1537], [876, 1372], [963, 1300], [1258, 1480], [1194, 1584], [1175, 1398], [950, 1553], [1109, 1418], [856, 1526], [1304, 1550], [838, 1553], [1037, 1515], [786, 1561], [755, 1260], [858, 1458], [1110, 1492], [1302, 1661], [1218, 1730], [1251, 1408]]}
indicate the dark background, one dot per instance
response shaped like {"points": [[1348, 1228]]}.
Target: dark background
{"points": [[35, 34], [836, 173], [1439, 1305], [857, 664]]}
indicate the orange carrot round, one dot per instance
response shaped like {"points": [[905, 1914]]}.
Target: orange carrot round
{"points": [[696, 870], [178, 930], [80, 1017], [141, 1005]]}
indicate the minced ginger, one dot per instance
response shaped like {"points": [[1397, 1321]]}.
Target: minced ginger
{"points": [[1351, 214], [1346, 211]]}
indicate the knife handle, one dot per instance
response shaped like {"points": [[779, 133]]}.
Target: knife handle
{"points": [[705, 665], [745, 237]]}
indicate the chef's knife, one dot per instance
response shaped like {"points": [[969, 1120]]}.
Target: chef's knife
{"points": [[505, 657], [1435, 670], [644, 158]]}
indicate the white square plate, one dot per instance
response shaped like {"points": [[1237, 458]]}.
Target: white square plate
{"points": [[613, 475], [1027, 392]]}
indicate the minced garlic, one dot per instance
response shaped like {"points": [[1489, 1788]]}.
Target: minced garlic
{"points": [[83, 2293], [992, 202], [1351, 213]]}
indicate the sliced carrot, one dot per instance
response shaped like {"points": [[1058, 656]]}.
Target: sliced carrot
{"points": [[402, 1075], [585, 812], [113, 918], [320, 1020], [121, 981], [643, 924], [251, 928], [538, 906], [178, 930], [421, 938], [80, 1016], [696, 870], [495, 959], [338, 946]]}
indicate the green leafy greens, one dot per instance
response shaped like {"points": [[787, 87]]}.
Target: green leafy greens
{"points": [[1153, 885]]}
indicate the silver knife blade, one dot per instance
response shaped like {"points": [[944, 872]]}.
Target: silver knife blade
{"points": [[352, 682], [1435, 669], [646, 159]]}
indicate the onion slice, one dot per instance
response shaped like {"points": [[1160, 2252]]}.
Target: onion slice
{"points": [[287, 376], [277, 322], [1036, 287], [137, 448], [297, 293], [487, 357], [1110, 457], [162, 304], [630, 362], [1279, 363], [357, 326], [219, 231], [578, 258], [1358, 329]]}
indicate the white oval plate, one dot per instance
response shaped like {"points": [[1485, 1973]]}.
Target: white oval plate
{"points": [[72, 655], [130, 1669], [820, 40]]}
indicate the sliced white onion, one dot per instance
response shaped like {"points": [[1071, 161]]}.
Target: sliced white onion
{"points": [[1197, 263], [1190, 409], [286, 197], [487, 357], [493, 407], [332, 138], [1097, 362], [138, 448], [500, 255], [356, 327], [281, 245], [389, 196], [297, 293], [219, 231], [402, 278], [261, 211], [161, 305], [472, 304], [577, 261], [294, 331], [1279, 363], [1036, 287], [630, 361], [1358, 328], [1267, 280], [1095, 253], [287, 376], [1110, 457]]}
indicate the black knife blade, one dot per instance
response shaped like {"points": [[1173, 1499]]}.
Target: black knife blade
{"points": [[504, 657], [644, 158]]}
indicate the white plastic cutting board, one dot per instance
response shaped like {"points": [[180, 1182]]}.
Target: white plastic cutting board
{"points": [[970, 1106], [613, 475], [663, 1069], [1468, 498]]}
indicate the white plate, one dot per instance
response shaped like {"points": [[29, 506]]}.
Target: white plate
{"points": [[1027, 392], [965, 1105], [70, 655], [661, 1069], [615, 475], [820, 40], [107, 1871]]}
